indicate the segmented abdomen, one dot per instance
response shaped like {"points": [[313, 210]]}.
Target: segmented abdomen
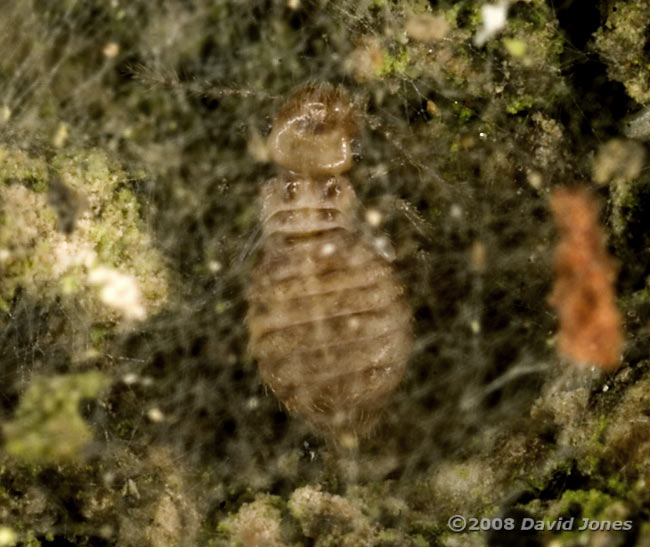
{"points": [[328, 323]]}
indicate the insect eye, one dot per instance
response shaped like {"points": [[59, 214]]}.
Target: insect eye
{"points": [[332, 189], [310, 125], [291, 190]]}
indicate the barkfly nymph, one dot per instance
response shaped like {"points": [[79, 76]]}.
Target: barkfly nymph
{"points": [[328, 321]]}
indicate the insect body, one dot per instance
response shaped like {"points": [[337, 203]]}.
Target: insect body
{"points": [[328, 323]]}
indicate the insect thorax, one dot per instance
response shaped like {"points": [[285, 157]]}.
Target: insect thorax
{"points": [[299, 203]]}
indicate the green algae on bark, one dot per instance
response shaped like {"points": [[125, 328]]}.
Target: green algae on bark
{"points": [[41, 258], [621, 44], [47, 426]]}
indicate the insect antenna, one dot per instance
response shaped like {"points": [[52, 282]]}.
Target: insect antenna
{"points": [[170, 79]]}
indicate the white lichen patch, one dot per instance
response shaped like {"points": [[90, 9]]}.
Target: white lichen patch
{"points": [[618, 161], [69, 253], [426, 27], [330, 519], [548, 140], [454, 484], [366, 60], [118, 291], [637, 126], [167, 526], [256, 523], [495, 17], [106, 262], [312, 508]]}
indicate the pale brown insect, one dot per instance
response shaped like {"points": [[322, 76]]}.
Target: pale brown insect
{"points": [[328, 322]]}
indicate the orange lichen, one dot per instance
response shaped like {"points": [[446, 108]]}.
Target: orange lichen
{"points": [[583, 295]]}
